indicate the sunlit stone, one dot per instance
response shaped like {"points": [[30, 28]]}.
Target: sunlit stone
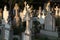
{"points": [[43, 16], [5, 14], [25, 3], [59, 11], [5, 22], [22, 16], [39, 12], [56, 10], [48, 6]]}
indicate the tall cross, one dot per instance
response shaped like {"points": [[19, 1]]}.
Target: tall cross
{"points": [[39, 12], [25, 3], [43, 16], [16, 15], [27, 6], [5, 14], [56, 10], [48, 6], [27, 19]]}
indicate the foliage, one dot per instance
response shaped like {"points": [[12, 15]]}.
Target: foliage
{"points": [[35, 28]]}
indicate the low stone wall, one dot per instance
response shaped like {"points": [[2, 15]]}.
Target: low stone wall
{"points": [[49, 33]]}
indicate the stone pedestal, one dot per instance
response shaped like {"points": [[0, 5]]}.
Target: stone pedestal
{"points": [[26, 35], [7, 31]]}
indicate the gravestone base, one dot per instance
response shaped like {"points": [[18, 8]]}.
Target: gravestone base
{"points": [[26, 35], [16, 37], [49, 33]]}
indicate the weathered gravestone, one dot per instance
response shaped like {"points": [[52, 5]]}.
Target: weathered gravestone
{"points": [[49, 29], [49, 22]]}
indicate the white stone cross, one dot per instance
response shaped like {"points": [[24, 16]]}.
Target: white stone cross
{"points": [[5, 14], [43, 16], [39, 12], [27, 23], [56, 10], [27, 6], [27, 31]]}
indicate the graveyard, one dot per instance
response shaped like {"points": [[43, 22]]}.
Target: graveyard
{"points": [[29, 20]]}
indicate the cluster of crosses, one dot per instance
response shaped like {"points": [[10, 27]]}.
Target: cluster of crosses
{"points": [[26, 15]]}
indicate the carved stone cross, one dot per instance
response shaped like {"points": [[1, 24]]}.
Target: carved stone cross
{"points": [[16, 15], [5, 14], [48, 6], [27, 6], [39, 12], [16, 8], [56, 10]]}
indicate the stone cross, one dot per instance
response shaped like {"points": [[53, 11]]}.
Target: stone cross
{"points": [[27, 18], [27, 31], [56, 10], [43, 16], [22, 15], [5, 14], [16, 15], [27, 6], [39, 12], [16, 8], [24, 11], [25, 3], [48, 6]]}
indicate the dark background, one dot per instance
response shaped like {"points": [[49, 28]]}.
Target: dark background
{"points": [[35, 3]]}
